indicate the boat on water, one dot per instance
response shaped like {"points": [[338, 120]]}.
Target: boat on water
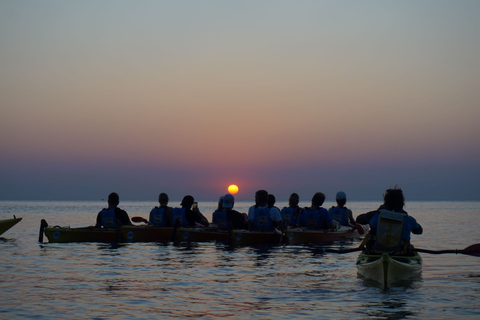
{"points": [[297, 236], [240, 237], [87, 234], [147, 233], [201, 235], [386, 269], [8, 223]]}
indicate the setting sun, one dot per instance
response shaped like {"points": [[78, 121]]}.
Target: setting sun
{"points": [[232, 189]]}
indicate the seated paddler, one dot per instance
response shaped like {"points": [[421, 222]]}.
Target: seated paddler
{"points": [[390, 225], [263, 217], [162, 215], [340, 213], [229, 218], [290, 214], [112, 216], [188, 215], [316, 217]]}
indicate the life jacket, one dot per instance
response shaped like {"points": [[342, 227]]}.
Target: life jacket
{"points": [[158, 216], [311, 219], [108, 218], [288, 216], [178, 214], [338, 214], [221, 219], [262, 219], [390, 227]]}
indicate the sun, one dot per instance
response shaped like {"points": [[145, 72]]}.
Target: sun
{"points": [[232, 189]]}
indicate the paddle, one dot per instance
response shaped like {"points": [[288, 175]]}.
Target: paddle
{"points": [[473, 250], [139, 219]]}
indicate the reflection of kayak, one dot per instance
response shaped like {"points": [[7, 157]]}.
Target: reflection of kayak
{"points": [[385, 269], [147, 233], [309, 236], [8, 223], [241, 237], [201, 235]]}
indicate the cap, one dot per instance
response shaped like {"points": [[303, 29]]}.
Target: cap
{"points": [[221, 199], [228, 201], [341, 195]]}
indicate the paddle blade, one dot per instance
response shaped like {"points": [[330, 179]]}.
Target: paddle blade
{"points": [[360, 229], [473, 250], [139, 219]]}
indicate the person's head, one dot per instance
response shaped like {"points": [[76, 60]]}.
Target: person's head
{"points": [[220, 202], [271, 200], [228, 201], [293, 200], [393, 199], [163, 198], [261, 198], [341, 198], [318, 199], [187, 202], [113, 200]]}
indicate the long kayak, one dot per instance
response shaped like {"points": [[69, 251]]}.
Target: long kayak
{"points": [[147, 233], [8, 223], [87, 234], [386, 269], [240, 237], [201, 235], [298, 236]]}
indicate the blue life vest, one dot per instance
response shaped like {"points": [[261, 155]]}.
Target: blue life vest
{"points": [[288, 216], [221, 219], [108, 218], [390, 227], [178, 214], [338, 214], [158, 216], [310, 218], [262, 219]]}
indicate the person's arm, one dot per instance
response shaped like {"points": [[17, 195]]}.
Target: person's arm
{"points": [[123, 217], [99, 220], [200, 218], [416, 227], [350, 217], [366, 217]]}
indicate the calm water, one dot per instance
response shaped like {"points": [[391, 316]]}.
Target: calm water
{"points": [[212, 281]]}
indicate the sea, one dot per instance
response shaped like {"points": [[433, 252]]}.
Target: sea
{"points": [[215, 281]]}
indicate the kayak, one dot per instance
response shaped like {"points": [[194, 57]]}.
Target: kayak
{"points": [[240, 237], [147, 233], [298, 236], [87, 234], [201, 235], [8, 223], [386, 269]]}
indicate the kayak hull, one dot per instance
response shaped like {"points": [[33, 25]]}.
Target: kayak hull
{"points": [[89, 234], [385, 269], [5, 225], [255, 238], [147, 233], [201, 235], [297, 236]]}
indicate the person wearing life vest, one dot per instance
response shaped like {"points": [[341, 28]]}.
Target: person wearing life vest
{"points": [[290, 214], [188, 216], [112, 217], [162, 215], [261, 216], [316, 217], [219, 218], [340, 213], [229, 218], [390, 225]]}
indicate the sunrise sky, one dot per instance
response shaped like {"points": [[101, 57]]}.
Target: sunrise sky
{"points": [[188, 97]]}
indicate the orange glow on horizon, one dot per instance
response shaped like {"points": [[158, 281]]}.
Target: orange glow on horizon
{"points": [[232, 189]]}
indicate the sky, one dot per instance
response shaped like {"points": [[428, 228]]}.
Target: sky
{"points": [[187, 97]]}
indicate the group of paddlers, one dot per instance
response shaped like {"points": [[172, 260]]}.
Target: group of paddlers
{"points": [[390, 225]]}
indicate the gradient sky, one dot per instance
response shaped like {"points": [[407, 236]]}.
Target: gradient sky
{"points": [[186, 97]]}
